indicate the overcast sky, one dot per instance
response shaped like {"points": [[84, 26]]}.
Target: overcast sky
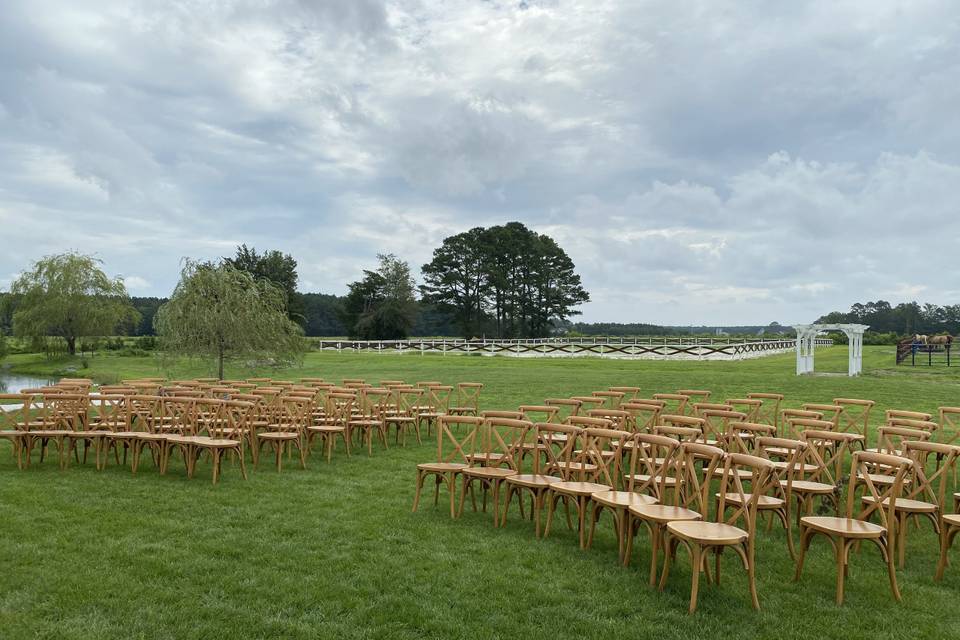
{"points": [[702, 162]]}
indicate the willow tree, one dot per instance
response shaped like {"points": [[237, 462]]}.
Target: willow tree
{"points": [[221, 313], [68, 295]]}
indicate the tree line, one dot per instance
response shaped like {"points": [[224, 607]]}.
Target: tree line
{"points": [[904, 319]]}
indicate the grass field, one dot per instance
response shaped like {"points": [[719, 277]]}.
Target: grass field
{"points": [[335, 551]]}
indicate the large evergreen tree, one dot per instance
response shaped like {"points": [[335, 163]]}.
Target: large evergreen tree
{"points": [[382, 305], [279, 268]]}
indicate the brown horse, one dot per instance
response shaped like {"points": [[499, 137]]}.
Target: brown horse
{"points": [[945, 340]]}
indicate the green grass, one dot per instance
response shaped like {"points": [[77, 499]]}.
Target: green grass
{"points": [[334, 551]]}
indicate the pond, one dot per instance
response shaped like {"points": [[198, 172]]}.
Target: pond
{"points": [[13, 382]]}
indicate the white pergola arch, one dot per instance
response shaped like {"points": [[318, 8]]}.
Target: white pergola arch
{"points": [[806, 342]]}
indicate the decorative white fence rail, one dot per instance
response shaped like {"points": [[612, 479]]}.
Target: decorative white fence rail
{"points": [[640, 348]]}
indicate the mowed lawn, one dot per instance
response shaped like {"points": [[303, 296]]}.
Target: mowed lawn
{"points": [[335, 551]]}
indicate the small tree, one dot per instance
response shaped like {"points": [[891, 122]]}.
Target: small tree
{"points": [[382, 306], [68, 295], [223, 313]]}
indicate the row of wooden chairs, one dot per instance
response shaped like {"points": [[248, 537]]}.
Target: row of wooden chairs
{"points": [[661, 475]]}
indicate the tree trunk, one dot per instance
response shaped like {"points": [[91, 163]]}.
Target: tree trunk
{"points": [[72, 345]]}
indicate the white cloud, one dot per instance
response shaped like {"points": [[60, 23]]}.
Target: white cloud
{"points": [[706, 162]]}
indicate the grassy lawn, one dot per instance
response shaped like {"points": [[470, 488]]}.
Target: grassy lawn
{"points": [[334, 551]]}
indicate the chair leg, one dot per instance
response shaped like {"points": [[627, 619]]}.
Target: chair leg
{"points": [[696, 555]]}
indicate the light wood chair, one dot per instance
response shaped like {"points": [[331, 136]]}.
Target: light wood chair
{"points": [[701, 538], [792, 414], [373, 403], [697, 395], [644, 416], [618, 418], [949, 528], [613, 399], [225, 435], [437, 405], [699, 407], [288, 431], [495, 460], [451, 457], [830, 412], [716, 422], [588, 402], [468, 399], [596, 472], [403, 417], [539, 413], [648, 478], [333, 423], [844, 532], [855, 418], [145, 414], [13, 423], [677, 403], [565, 406], [695, 469], [689, 422], [747, 406], [949, 418], [60, 418], [629, 393], [537, 484], [770, 410]]}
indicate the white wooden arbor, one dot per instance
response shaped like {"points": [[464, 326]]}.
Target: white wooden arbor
{"points": [[806, 342]]}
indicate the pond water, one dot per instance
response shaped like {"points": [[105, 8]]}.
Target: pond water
{"points": [[13, 383]]}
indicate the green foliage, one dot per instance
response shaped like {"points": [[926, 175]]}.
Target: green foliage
{"points": [[279, 268], [906, 318], [514, 281], [221, 313], [323, 313], [382, 305], [4, 349], [69, 296]]}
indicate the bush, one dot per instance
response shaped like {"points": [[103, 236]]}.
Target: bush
{"points": [[147, 343]]}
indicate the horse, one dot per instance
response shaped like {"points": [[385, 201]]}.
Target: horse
{"points": [[920, 338], [945, 340]]}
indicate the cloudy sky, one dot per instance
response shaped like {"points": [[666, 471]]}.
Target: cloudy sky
{"points": [[702, 162]]}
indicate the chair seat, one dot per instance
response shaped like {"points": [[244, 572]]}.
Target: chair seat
{"points": [[49, 433], [488, 472], [669, 481], [400, 419], [365, 423], [663, 513], [215, 443], [578, 488], [12, 435], [533, 480], [763, 502], [143, 435], [486, 458], [463, 409], [883, 479], [952, 519], [604, 454], [278, 435], [905, 504], [441, 467], [576, 466], [707, 532], [326, 428], [623, 499], [783, 465], [809, 486], [844, 527]]}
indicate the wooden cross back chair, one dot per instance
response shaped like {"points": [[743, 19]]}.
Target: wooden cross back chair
{"points": [[701, 538], [949, 418], [830, 412], [468, 399], [333, 423], [769, 412], [451, 458], [643, 416], [716, 422], [403, 417], [57, 418], [437, 405], [374, 404], [855, 417], [229, 427], [856, 526], [694, 469], [598, 471], [495, 459], [538, 413], [747, 406], [676, 402], [612, 398], [588, 402], [288, 431], [697, 395], [699, 407], [629, 393], [13, 422], [565, 406], [619, 418], [553, 443]]}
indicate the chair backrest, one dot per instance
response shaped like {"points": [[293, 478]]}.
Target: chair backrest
{"points": [[180, 414], [676, 402], [603, 449], [744, 504], [566, 406], [717, 421], [144, 412], [892, 414], [426, 384], [406, 399], [826, 452], [110, 412], [697, 465], [352, 381], [66, 410], [855, 417], [619, 419], [629, 393], [453, 448], [949, 424], [233, 419], [770, 410], [468, 394], [438, 397], [830, 412], [392, 383], [923, 425], [699, 407], [117, 389], [643, 416], [503, 437], [748, 406], [512, 415], [374, 402], [698, 395], [339, 408], [588, 402], [793, 427], [653, 464], [586, 422], [799, 462], [294, 414], [884, 498], [680, 434], [538, 413], [891, 439], [930, 486], [14, 419], [741, 437], [560, 441], [259, 381], [690, 422], [611, 398]]}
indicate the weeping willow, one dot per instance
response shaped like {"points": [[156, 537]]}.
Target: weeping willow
{"points": [[220, 313]]}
